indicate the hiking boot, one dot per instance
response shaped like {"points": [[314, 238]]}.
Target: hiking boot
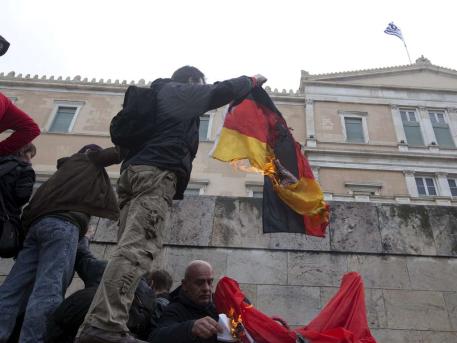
{"points": [[95, 335]]}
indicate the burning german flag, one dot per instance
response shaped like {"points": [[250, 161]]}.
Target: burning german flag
{"points": [[255, 130]]}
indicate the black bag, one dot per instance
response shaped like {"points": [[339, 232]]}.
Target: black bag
{"points": [[11, 233], [134, 125]]}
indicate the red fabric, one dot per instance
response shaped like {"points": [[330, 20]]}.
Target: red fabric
{"points": [[12, 118], [342, 320]]}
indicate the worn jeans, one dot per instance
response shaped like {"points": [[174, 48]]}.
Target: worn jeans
{"points": [[145, 196], [39, 278]]}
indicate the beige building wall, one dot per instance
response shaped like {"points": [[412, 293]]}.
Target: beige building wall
{"points": [[334, 180], [329, 127]]}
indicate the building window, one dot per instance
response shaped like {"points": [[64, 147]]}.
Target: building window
{"points": [[441, 129], [191, 191], [355, 126], [425, 186], [412, 127], [453, 186], [204, 127], [257, 194], [196, 187], [64, 119], [354, 130]]}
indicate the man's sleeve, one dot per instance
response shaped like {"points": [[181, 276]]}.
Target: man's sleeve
{"points": [[171, 329], [12, 118], [105, 157], [203, 98]]}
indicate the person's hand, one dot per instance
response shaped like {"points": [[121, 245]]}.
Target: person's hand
{"points": [[205, 328], [260, 79]]}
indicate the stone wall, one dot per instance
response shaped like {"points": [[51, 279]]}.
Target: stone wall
{"points": [[405, 254]]}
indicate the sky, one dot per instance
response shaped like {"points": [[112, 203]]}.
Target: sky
{"points": [[147, 39]]}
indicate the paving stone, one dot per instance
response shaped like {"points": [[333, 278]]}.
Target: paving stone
{"points": [[191, 221], [416, 310], [439, 274], [238, 223], [443, 220], [374, 302], [250, 291], [298, 241], [257, 266], [354, 227], [5, 265], [176, 260], [316, 269], [439, 337], [450, 298], [297, 305], [406, 229], [106, 231], [397, 336], [381, 271]]}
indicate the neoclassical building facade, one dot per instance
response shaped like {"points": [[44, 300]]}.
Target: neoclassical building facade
{"points": [[384, 135]]}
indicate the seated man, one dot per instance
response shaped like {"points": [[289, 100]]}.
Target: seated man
{"points": [[191, 316]]}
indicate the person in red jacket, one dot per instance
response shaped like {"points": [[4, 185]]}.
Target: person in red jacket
{"points": [[12, 118]]}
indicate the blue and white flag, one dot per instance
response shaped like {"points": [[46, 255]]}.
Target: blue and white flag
{"points": [[394, 30]]}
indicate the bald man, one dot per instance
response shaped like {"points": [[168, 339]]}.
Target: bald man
{"points": [[191, 316]]}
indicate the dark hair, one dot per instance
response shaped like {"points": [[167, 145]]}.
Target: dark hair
{"points": [[186, 73], [93, 147], [29, 147], [161, 280]]}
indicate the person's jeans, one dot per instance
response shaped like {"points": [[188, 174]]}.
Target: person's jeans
{"points": [[39, 278]]}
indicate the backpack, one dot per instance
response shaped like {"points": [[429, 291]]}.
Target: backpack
{"points": [[11, 233], [134, 125]]}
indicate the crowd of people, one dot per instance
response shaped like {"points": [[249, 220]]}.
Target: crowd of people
{"points": [[126, 298]]}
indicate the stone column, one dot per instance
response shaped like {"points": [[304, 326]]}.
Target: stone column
{"points": [[315, 172], [310, 128], [443, 184], [426, 127], [411, 183]]}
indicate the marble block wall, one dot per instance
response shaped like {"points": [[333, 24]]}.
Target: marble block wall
{"points": [[407, 256]]}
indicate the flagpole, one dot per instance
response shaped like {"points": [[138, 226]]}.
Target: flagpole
{"points": [[407, 52]]}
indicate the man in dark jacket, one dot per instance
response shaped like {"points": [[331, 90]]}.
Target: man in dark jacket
{"points": [[64, 322], [55, 217], [191, 315], [151, 177]]}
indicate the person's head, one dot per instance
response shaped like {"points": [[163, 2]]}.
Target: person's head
{"points": [[4, 45], [198, 282], [188, 74], [26, 153], [161, 281], [89, 147]]}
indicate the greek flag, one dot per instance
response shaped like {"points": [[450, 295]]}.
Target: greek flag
{"points": [[394, 30]]}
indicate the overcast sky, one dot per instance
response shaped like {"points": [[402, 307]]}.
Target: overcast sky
{"points": [[134, 39]]}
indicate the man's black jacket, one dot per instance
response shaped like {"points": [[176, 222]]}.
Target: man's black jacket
{"points": [[175, 324], [179, 107]]}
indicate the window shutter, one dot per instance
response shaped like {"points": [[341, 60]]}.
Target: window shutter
{"points": [[63, 118], [354, 130]]}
